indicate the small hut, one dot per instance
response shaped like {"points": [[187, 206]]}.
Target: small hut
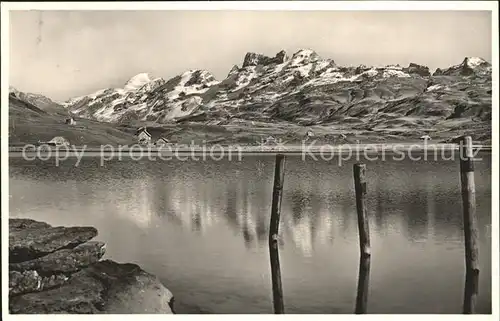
{"points": [[270, 141], [70, 121], [144, 137], [58, 141], [162, 142]]}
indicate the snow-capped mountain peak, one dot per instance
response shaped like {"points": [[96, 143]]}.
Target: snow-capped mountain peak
{"points": [[261, 85], [304, 56], [257, 59], [469, 66], [473, 62], [137, 81], [233, 70]]}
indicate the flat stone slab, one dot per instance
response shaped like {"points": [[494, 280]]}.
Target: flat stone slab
{"points": [[58, 270], [30, 281], [26, 223], [29, 239], [64, 261], [24, 282], [82, 294], [131, 289], [103, 287]]}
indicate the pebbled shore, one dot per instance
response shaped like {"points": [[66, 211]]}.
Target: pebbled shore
{"points": [[59, 270]]}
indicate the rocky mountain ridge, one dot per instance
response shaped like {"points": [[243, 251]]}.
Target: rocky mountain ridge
{"points": [[40, 101], [263, 84], [469, 66], [305, 89]]}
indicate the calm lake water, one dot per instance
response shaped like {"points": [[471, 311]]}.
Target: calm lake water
{"points": [[202, 227]]}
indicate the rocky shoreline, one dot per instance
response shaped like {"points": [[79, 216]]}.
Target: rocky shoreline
{"points": [[59, 270]]}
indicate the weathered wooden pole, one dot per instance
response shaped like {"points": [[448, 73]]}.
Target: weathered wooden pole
{"points": [[279, 176], [364, 238], [360, 188], [470, 291], [363, 280], [470, 224]]}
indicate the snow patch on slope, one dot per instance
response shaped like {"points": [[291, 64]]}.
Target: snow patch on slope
{"points": [[136, 82], [193, 82], [473, 62], [94, 95], [329, 76], [183, 108], [394, 73], [245, 77], [434, 87], [322, 64], [370, 73], [304, 70], [106, 113], [280, 67], [303, 56]]}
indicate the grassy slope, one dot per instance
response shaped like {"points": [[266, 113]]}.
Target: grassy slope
{"points": [[29, 124], [239, 131]]}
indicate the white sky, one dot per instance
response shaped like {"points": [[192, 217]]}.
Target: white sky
{"points": [[64, 54]]}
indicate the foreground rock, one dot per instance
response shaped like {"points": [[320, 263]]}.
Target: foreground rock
{"points": [[31, 281], [23, 282], [30, 240], [104, 287], [64, 275], [64, 261], [25, 223]]}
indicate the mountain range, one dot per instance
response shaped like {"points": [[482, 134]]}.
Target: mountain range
{"points": [[286, 96]]}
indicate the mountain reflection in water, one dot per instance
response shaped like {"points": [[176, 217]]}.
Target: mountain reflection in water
{"points": [[203, 228]]}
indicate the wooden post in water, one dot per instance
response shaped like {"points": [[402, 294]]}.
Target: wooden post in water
{"points": [[363, 280], [360, 188], [470, 291], [364, 238], [470, 224], [279, 176]]}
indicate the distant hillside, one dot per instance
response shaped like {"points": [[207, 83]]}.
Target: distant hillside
{"points": [[29, 124], [40, 101]]}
